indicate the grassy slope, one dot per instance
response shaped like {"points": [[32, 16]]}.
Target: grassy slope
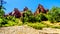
{"points": [[43, 24]]}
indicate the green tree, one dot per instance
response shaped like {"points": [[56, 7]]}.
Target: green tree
{"points": [[2, 7], [2, 12], [54, 14], [40, 17], [27, 16]]}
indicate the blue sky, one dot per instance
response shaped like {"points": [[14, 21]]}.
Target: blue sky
{"points": [[31, 4]]}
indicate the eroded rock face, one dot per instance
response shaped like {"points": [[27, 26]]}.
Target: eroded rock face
{"points": [[15, 13], [18, 30], [25, 9], [27, 30], [40, 9], [49, 31], [18, 13]]}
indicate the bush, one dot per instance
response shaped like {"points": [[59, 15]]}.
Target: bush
{"points": [[36, 25], [40, 17], [9, 21], [54, 15], [2, 12], [28, 16]]}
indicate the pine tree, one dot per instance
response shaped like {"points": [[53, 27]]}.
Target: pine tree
{"points": [[2, 7]]}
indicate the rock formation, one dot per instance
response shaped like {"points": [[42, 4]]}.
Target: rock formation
{"points": [[40, 9], [25, 9], [27, 30], [15, 13], [18, 14]]}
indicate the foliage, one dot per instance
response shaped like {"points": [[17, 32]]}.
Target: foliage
{"points": [[36, 25], [9, 21], [27, 16], [54, 14], [2, 7], [2, 12], [40, 17], [33, 21]]}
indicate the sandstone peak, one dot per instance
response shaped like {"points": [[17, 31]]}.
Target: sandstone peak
{"points": [[25, 9]]}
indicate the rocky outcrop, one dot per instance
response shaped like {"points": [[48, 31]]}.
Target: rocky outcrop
{"points": [[40, 9], [49, 31], [18, 13], [18, 30], [25, 9], [15, 13], [27, 30]]}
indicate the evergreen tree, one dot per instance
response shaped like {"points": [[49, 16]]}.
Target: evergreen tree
{"points": [[2, 7]]}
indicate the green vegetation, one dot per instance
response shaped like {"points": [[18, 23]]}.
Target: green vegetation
{"points": [[53, 16], [9, 21], [2, 12], [36, 25], [27, 16]]}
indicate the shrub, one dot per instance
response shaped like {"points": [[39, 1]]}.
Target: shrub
{"points": [[36, 25], [54, 14], [40, 17], [9, 21], [2, 12]]}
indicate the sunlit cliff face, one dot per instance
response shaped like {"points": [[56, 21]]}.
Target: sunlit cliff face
{"points": [[25, 9], [15, 13], [40, 9], [18, 13]]}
